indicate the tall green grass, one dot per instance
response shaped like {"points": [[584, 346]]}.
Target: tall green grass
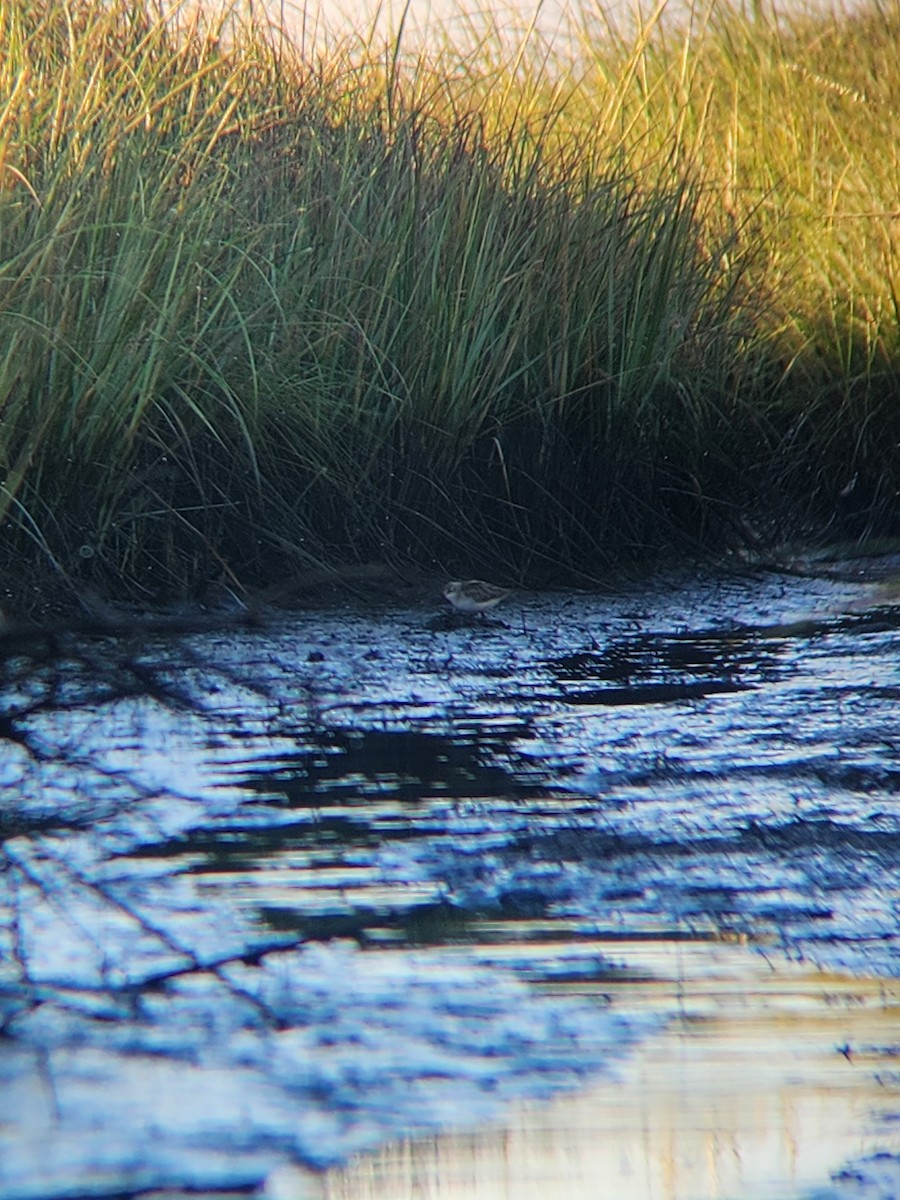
{"points": [[790, 113], [483, 308]]}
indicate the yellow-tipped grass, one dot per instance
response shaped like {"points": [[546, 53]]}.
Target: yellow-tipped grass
{"points": [[514, 301]]}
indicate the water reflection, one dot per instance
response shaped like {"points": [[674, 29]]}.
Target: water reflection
{"points": [[771, 1077], [364, 894]]}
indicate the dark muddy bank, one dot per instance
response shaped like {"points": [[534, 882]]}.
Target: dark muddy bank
{"points": [[275, 897]]}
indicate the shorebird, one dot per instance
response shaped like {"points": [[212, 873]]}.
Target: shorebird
{"points": [[474, 595]]}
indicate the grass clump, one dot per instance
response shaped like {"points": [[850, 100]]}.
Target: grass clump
{"points": [[261, 307], [790, 115]]}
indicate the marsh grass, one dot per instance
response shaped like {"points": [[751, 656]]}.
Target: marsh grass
{"points": [[485, 306]]}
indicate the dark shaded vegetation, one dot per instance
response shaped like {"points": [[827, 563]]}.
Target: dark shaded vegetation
{"points": [[263, 312]]}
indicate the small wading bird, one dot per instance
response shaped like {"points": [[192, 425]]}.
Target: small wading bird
{"points": [[474, 595]]}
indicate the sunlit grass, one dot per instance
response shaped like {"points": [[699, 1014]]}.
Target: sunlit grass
{"points": [[506, 306]]}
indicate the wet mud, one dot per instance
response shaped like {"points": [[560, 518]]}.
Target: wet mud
{"points": [[273, 899]]}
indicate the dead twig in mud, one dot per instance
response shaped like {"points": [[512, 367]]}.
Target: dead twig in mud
{"points": [[106, 646], [47, 640]]}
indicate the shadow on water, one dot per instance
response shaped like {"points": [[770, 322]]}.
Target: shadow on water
{"points": [[369, 893]]}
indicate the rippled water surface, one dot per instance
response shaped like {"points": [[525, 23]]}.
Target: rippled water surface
{"points": [[274, 900]]}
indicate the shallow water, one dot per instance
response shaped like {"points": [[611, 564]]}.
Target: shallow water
{"points": [[764, 1079], [274, 899]]}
